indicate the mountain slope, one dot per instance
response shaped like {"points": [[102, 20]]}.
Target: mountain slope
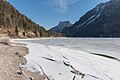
{"points": [[102, 21], [14, 24], [59, 28]]}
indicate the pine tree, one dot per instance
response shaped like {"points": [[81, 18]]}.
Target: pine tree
{"points": [[16, 31]]}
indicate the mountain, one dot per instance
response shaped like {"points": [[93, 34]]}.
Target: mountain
{"points": [[61, 26], [15, 24], [102, 21]]}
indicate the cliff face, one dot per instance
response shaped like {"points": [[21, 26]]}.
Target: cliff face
{"points": [[14, 24], [102, 21], [59, 28]]}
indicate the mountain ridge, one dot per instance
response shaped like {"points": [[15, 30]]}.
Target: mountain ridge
{"points": [[101, 21]]}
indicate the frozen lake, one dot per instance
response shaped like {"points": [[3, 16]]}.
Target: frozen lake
{"points": [[108, 46], [74, 59]]}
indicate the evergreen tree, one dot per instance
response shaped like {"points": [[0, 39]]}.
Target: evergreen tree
{"points": [[16, 31]]}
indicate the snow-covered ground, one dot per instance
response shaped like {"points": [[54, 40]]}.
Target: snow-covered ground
{"points": [[59, 59]]}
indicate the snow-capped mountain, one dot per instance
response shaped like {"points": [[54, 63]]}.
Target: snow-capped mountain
{"points": [[61, 26], [102, 21]]}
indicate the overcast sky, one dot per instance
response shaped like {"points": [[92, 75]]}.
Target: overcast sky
{"points": [[48, 13]]}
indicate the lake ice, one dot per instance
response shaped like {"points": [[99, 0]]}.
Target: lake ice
{"points": [[67, 58]]}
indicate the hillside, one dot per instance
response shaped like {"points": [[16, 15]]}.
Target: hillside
{"points": [[15, 24], [102, 21]]}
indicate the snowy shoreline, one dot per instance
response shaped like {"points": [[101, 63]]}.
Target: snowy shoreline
{"points": [[51, 60]]}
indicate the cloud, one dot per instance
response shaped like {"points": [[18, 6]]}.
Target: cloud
{"points": [[62, 6]]}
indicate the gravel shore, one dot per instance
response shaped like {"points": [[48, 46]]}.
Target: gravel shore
{"points": [[10, 59]]}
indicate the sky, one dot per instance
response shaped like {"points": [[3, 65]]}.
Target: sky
{"points": [[48, 13]]}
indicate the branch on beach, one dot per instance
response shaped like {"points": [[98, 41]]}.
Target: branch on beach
{"points": [[106, 56], [94, 76], [44, 72], [48, 59], [77, 72]]}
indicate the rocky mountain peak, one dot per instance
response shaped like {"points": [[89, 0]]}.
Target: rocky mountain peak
{"points": [[61, 26], [114, 1], [101, 21]]}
